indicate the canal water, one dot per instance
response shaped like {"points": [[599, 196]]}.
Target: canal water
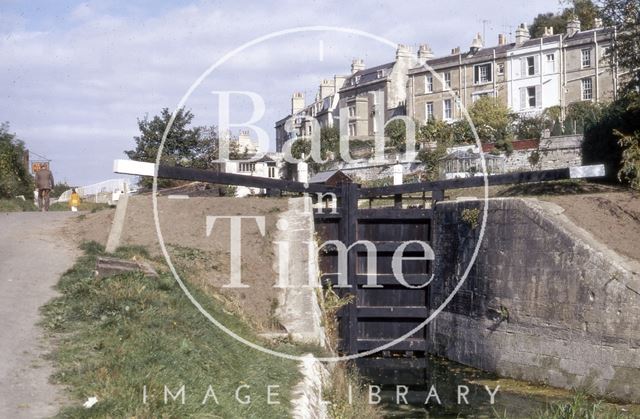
{"points": [[433, 378]]}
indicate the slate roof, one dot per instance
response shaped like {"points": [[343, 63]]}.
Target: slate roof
{"points": [[369, 75]]}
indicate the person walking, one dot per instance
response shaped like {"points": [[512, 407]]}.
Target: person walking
{"points": [[44, 184], [74, 200]]}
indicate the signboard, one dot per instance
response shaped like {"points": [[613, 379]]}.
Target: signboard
{"points": [[36, 166]]}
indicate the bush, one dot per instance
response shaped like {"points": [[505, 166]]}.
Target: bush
{"points": [[14, 175], [601, 144]]}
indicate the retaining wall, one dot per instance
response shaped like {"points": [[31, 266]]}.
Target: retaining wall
{"points": [[544, 301]]}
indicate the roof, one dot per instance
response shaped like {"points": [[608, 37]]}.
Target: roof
{"points": [[484, 53], [324, 177], [368, 75]]}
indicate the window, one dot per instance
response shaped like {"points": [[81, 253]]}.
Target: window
{"points": [[428, 111], [247, 167], [531, 66], [482, 73], [352, 111], [586, 57], [531, 97], [380, 74], [587, 89], [551, 63], [447, 80], [500, 69], [428, 84], [272, 171], [352, 129], [448, 109]]}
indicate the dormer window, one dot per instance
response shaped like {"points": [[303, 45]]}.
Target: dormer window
{"points": [[380, 74]]}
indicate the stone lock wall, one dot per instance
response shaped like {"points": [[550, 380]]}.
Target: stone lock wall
{"points": [[544, 301]]}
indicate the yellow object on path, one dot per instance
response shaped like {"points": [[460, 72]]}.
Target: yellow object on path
{"points": [[74, 200]]}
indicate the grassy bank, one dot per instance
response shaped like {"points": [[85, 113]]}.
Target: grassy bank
{"points": [[115, 336], [16, 205], [84, 206]]}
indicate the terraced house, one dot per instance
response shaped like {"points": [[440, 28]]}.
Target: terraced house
{"points": [[528, 75]]}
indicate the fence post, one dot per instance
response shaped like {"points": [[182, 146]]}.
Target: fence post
{"points": [[348, 235], [397, 180]]}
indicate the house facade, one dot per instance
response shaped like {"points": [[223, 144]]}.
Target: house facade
{"points": [[434, 88], [528, 75]]}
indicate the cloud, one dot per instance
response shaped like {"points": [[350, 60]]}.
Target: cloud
{"points": [[78, 78]]}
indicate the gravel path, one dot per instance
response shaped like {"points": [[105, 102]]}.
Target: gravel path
{"points": [[33, 255]]}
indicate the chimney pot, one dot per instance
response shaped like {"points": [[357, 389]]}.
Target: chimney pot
{"points": [[522, 34], [357, 65], [573, 27]]}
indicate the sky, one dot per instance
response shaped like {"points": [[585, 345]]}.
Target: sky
{"points": [[77, 76]]}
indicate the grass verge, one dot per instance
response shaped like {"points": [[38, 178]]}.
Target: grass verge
{"points": [[117, 335], [16, 205]]}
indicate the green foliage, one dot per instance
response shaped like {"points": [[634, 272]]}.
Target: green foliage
{"points": [[579, 407], [630, 170], [184, 146], [59, 188], [15, 179], [493, 122], [115, 335], [602, 145], [395, 131], [17, 205], [471, 217], [625, 16], [585, 10]]}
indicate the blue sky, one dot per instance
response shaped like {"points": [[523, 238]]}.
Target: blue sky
{"points": [[76, 75]]}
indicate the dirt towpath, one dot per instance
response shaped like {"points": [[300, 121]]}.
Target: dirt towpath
{"points": [[33, 255]]}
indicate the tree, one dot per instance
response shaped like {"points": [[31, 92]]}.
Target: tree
{"points": [[14, 175], [624, 52], [492, 121], [184, 146], [585, 10]]}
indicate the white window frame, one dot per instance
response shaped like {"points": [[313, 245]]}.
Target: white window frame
{"points": [[428, 83], [429, 111], [586, 91], [488, 77], [446, 76], [352, 129], [531, 97], [585, 57], [447, 109], [551, 62], [531, 66]]}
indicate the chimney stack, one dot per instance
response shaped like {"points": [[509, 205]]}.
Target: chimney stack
{"points": [[327, 88], [297, 102], [455, 51], [597, 23], [522, 34], [548, 31], [357, 65], [424, 53], [573, 27], [502, 39], [476, 44]]}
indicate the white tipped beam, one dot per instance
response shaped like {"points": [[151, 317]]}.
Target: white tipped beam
{"points": [[594, 170], [133, 167]]}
